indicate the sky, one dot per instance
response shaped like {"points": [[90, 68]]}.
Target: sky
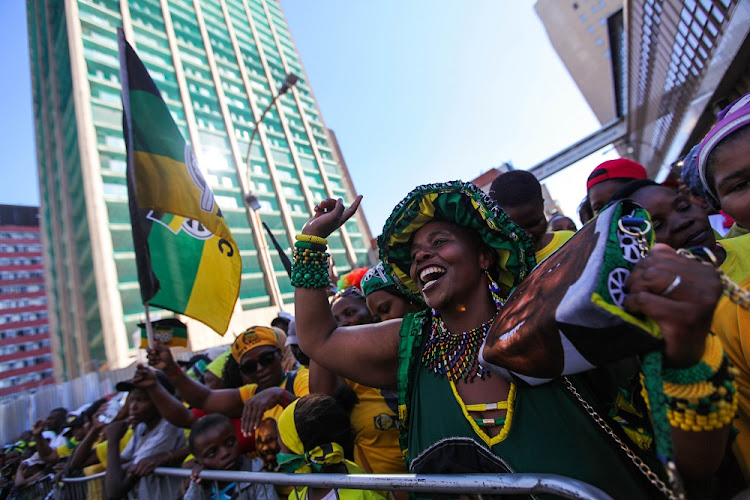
{"points": [[417, 92]]}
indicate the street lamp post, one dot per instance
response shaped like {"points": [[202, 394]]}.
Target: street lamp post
{"points": [[250, 199], [289, 82]]}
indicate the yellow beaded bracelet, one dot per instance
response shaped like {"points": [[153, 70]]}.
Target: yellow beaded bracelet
{"points": [[312, 239], [690, 420]]}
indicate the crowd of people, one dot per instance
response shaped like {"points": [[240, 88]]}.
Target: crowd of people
{"points": [[388, 372]]}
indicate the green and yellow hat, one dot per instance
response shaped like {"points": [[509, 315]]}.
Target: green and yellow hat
{"points": [[462, 203]]}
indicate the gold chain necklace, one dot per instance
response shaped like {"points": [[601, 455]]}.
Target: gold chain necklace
{"points": [[652, 477]]}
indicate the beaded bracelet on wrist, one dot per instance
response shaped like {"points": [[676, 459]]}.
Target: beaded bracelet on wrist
{"points": [[310, 245], [703, 370], [312, 239], [702, 397], [310, 265]]}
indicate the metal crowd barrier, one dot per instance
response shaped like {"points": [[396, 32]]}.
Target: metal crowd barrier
{"points": [[91, 487], [40, 490]]}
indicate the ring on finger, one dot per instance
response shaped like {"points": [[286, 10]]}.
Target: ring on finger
{"points": [[672, 286]]}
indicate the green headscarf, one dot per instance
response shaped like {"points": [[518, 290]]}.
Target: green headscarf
{"points": [[464, 204], [376, 279]]}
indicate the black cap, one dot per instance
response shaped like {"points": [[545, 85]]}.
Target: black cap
{"points": [[127, 385]]}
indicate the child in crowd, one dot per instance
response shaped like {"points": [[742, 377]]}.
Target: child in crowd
{"points": [[155, 443], [519, 194], [214, 443], [315, 435]]}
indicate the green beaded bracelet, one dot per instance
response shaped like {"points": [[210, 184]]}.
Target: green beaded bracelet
{"points": [[310, 245], [696, 373]]}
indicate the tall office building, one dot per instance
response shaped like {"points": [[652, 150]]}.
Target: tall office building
{"points": [[579, 32], [218, 63], [25, 352]]}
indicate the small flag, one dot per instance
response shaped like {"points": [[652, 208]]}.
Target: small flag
{"points": [[284, 258], [187, 259], [171, 332]]}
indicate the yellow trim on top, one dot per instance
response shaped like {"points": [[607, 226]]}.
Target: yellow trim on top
{"points": [[479, 432]]}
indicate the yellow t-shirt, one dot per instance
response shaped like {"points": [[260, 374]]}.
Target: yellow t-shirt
{"points": [[101, 448], [375, 423], [300, 387], [558, 238], [731, 324], [737, 263]]}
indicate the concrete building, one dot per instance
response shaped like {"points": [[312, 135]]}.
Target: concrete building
{"points": [[25, 352], [218, 64], [579, 32]]}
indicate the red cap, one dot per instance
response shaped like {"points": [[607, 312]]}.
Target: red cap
{"points": [[621, 168]]}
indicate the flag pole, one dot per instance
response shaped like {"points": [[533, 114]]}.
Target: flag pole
{"points": [[149, 327]]}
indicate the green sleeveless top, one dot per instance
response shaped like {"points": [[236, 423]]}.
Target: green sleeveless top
{"points": [[546, 430]]}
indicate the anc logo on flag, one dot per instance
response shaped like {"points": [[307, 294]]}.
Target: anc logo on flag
{"points": [[170, 332]]}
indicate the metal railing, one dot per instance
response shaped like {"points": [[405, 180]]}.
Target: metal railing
{"points": [[91, 487]]}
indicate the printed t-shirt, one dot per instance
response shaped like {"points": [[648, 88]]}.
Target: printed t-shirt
{"points": [[375, 423], [731, 324], [558, 238], [299, 387]]}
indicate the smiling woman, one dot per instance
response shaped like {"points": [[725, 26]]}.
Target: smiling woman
{"points": [[452, 246]]}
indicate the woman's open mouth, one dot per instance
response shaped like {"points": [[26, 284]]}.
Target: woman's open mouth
{"points": [[429, 276]]}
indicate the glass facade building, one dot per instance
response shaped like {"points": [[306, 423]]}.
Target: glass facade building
{"points": [[218, 64]]}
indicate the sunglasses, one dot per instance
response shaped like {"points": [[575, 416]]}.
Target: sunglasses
{"points": [[251, 366]]}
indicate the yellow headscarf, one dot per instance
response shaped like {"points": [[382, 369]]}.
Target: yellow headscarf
{"points": [[299, 460], [253, 337]]}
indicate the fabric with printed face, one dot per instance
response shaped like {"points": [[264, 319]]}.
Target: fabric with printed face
{"points": [[567, 316]]}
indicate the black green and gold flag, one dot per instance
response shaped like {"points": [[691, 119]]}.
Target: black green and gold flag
{"points": [[171, 332], [187, 259]]}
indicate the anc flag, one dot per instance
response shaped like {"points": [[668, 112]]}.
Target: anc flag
{"points": [[187, 260], [171, 332]]}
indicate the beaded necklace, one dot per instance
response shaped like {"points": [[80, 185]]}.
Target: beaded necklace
{"points": [[457, 355]]}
